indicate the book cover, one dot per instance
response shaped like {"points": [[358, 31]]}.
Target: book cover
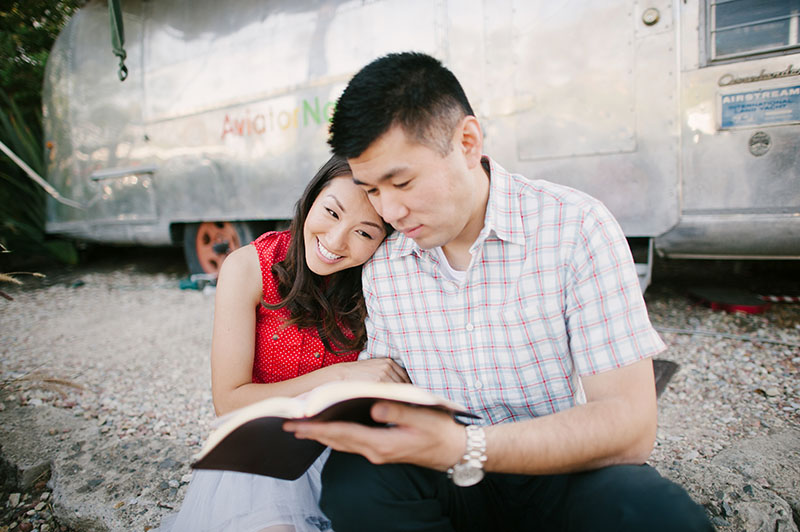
{"points": [[252, 439]]}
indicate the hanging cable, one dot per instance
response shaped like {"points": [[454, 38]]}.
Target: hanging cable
{"points": [[118, 36]]}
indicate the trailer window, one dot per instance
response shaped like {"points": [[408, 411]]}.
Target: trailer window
{"points": [[739, 28]]}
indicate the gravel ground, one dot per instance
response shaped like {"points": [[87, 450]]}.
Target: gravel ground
{"points": [[105, 379]]}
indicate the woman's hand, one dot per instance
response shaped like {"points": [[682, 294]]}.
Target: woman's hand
{"points": [[371, 369]]}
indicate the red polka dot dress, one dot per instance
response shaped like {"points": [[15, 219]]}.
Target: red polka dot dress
{"points": [[222, 501], [284, 352]]}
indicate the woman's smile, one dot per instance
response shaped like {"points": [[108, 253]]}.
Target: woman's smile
{"points": [[327, 254]]}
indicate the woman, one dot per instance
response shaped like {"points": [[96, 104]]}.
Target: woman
{"points": [[289, 316]]}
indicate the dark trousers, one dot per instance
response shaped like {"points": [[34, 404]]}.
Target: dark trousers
{"points": [[360, 496]]}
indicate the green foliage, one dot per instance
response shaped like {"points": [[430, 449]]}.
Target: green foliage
{"points": [[21, 200], [28, 29], [27, 32]]}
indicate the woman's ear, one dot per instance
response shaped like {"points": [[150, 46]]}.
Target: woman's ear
{"points": [[470, 140]]}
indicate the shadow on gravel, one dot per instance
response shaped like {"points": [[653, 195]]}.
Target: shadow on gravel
{"points": [[776, 277], [759, 277], [104, 259]]}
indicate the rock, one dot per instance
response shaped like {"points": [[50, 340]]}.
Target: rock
{"points": [[772, 391], [718, 521], [691, 455], [764, 517], [767, 466], [726, 509], [168, 463], [13, 499]]}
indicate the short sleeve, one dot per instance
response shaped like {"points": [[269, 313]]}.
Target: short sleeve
{"points": [[606, 316]]}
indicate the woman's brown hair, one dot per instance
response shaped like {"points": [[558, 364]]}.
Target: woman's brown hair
{"points": [[333, 304]]}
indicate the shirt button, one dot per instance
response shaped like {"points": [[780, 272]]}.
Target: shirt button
{"points": [[274, 336], [317, 355], [470, 326], [478, 384]]}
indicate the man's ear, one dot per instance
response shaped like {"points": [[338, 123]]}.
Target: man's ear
{"points": [[470, 140]]}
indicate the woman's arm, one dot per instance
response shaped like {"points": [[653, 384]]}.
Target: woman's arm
{"points": [[239, 292]]}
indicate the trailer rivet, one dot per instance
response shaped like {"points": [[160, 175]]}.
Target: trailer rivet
{"points": [[650, 16]]}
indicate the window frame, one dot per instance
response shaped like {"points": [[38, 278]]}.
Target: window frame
{"points": [[707, 38]]}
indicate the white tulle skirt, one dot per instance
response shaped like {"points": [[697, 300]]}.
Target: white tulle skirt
{"points": [[227, 501]]}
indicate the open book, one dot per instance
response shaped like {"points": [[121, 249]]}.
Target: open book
{"points": [[252, 440]]}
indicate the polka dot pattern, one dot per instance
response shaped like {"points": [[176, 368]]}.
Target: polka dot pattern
{"points": [[284, 352]]}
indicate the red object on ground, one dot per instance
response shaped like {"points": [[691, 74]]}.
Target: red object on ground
{"points": [[730, 299]]}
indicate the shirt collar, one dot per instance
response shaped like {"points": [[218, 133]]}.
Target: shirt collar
{"points": [[503, 213], [503, 217]]}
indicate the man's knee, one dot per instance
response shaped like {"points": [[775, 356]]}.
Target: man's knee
{"points": [[637, 498]]}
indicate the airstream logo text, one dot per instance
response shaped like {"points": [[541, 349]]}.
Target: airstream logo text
{"points": [[730, 79], [761, 108], [309, 113], [761, 95]]}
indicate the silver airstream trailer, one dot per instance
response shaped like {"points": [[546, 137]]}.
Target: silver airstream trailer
{"points": [[683, 116]]}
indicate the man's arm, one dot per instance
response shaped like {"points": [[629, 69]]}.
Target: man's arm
{"points": [[616, 426]]}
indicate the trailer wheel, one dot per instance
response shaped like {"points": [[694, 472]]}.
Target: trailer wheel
{"points": [[206, 244]]}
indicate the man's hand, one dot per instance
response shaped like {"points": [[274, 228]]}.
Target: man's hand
{"points": [[416, 435]]}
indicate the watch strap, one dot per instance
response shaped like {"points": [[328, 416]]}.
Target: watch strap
{"points": [[475, 453]]}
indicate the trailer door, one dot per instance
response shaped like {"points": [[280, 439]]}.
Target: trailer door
{"points": [[740, 93]]}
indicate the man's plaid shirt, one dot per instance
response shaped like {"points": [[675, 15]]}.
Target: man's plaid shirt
{"points": [[551, 294]]}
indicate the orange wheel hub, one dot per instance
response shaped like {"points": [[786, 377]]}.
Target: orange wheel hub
{"points": [[215, 241]]}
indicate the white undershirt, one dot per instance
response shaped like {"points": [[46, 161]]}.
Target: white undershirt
{"points": [[447, 271]]}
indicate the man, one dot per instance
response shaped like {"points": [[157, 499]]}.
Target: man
{"points": [[516, 298]]}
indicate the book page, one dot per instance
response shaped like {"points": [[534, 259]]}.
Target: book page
{"points": [[282, 407], [332, 393]]}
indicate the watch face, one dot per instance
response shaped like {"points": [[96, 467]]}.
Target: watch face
{"points": [[467, 474]]}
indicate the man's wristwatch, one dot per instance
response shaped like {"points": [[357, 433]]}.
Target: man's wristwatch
{"points": [[469, 470]]}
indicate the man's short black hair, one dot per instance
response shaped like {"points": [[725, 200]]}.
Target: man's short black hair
{"points": [[410, 89]]}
